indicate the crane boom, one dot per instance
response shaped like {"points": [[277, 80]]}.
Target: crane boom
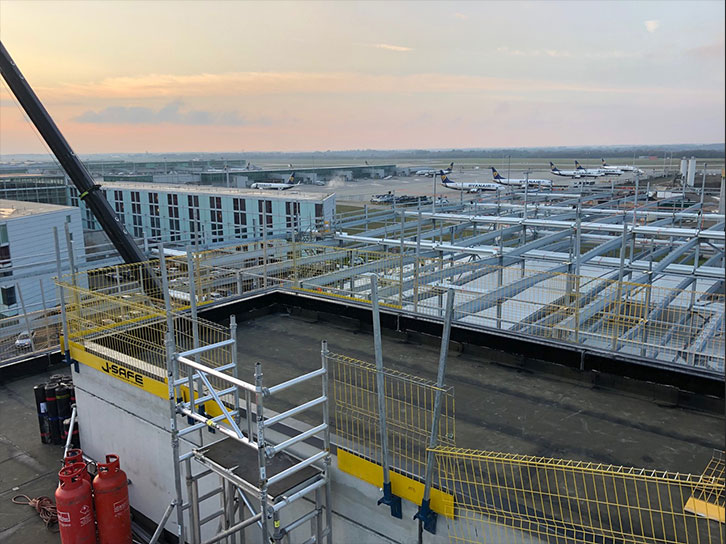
{"points": [[88, 191]]}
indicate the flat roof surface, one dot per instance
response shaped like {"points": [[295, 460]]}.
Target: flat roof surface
{"points": [[499, 407], [288, 194], [10, 209]]}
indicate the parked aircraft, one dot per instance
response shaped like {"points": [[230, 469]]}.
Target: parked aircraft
{"points": [[593, 172], [277, 186], [431, 172], [470, 187], [581, 173], [606, 166], [521, 182]]}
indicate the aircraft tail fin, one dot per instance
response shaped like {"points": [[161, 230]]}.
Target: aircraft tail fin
{"points": [[291, 179], [495, 174], [553, 168], [444, 178], [578, 166], [603, 162]]}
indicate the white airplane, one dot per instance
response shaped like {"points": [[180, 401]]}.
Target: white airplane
{"points": [[581, 173], [594, 172], [290, 183], [469, 187], [431, 172], [521, 182], [606, 166]]}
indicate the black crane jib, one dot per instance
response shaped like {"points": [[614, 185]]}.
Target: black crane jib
{"points": [[87, 189]]}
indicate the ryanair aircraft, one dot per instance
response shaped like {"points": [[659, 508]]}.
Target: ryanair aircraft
{"points": [[521, 182], [432, 171], [577, 173], [608, 168], [290, 183], [470, 187]]}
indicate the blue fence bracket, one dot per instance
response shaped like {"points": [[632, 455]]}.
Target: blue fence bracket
{"points": [[391, 500], [427, 516]]}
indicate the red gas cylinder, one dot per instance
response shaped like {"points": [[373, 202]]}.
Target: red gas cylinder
{"points": [[111, 498], [75, 506], [74, 456]]}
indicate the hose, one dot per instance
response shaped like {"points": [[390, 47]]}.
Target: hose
{"points": [[43, 505]]}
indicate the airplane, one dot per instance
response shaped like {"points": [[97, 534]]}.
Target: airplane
{"points": [[431, 172], [581, 173], [521, 182], [277, 186], [593, 172], [606, 166], [469, 187]]}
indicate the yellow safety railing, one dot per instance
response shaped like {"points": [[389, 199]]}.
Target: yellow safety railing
{"points": [[503, 497], [409, 410]]}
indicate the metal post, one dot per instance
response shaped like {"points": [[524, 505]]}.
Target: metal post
{"points": [[433, 206], [191, 271], [164, 519], [61, 296], [264, 254], [617, 303], [578, 251], [326, 443], [235, 370], [172, 375], [25, 316], [425, 515], [193, 496], [388, 497], [416, 270], [45, 313], [400, 266], [261, 452], [165, 289]]}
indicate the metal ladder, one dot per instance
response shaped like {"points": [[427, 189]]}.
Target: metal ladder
{"points": [[243, 502]]}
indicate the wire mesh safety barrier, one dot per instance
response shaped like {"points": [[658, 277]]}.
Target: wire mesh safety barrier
{"points": [[503, 497], [409, 414], [131, 332]]}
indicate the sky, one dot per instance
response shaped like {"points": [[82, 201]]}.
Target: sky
{"points": [[168, 76]]}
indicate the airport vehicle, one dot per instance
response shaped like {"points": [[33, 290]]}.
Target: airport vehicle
{"points": [[410, 199], [431, 172], [290, 183], [608, 168], [469, 187], [577, 173], [25, 340], [521, 182], [386, 198]]}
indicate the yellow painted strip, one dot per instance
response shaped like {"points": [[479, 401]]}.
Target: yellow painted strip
{"points": [[130, 376], [705, 509], [402, 486], [344, 297]]}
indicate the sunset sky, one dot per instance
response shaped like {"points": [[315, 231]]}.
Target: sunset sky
{"points": [[171, 76]]}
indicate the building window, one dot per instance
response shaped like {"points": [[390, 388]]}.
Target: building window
{"points": [[8, 296], [174, 229], [240, 218], [319, 219], [195, 223], [118, 204], [4, 234], [136, 218], [292, 215], [5, 254], [154, 219], [215, 217], [265, 210]]}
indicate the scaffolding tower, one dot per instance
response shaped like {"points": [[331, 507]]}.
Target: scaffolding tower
{"points": [[256, 477]]}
